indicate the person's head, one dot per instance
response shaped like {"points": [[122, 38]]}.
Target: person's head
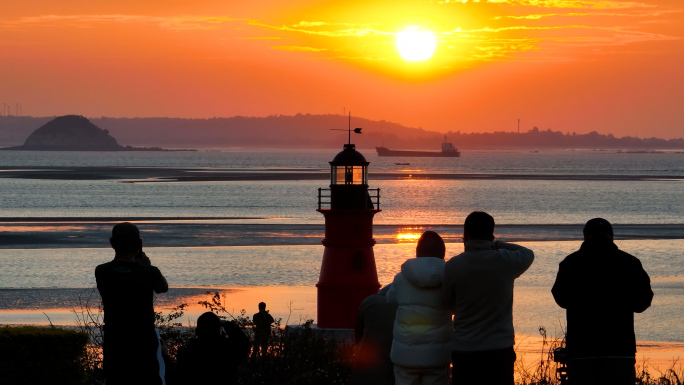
{"points": [[478, 226], [126, 238], [598, 229], [430, 244], [262, 306], [208, 325]]}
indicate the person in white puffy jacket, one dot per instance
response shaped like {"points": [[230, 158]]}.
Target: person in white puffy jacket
{"points": [[421, 348]]}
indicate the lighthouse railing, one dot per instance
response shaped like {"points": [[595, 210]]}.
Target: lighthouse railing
{"points": [[324, 200], [324, 197], [374, 194]]}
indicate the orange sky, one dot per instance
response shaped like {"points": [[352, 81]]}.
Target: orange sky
{"points": [[569, 65]]}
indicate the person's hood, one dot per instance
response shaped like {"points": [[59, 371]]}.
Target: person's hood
{"points": [[424, 271]]}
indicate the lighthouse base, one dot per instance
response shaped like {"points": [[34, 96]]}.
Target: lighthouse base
{"points": [[338, 306], [341, 336]]}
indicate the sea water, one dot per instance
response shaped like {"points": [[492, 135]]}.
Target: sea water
{"points": [[59, 278], [39, 280]]}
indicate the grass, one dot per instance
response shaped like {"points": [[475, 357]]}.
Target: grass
{"points": [[544, 371], [306, 358]]}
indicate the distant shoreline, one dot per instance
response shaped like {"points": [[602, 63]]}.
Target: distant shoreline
{"points": [[70, 149], [170, 174]]}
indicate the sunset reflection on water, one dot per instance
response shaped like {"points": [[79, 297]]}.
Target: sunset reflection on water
{"points": [[409, 234]]}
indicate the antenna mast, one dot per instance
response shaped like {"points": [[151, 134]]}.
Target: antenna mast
{"points": [[349, 129], [518, 126]]}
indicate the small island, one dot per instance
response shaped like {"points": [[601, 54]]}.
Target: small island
{"points": [[75, 133]]}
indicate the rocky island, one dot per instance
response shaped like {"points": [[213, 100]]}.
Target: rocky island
{"points": [[74, 133]]}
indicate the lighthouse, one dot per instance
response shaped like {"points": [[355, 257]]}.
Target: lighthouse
{"points": [[348, 273]]}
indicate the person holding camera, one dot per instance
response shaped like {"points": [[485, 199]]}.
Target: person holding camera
{"points": [[131, 353], [601, 287]]}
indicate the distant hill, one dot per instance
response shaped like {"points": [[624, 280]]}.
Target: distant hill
{"points": [[314, 131], [73, 133], [70, 133]]}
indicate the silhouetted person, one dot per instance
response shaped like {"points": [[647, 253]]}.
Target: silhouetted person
{"points": [[373, 341], [422, 329], [478, 285], [601, 287], [262, 330], [132, 353], [212, 358]]}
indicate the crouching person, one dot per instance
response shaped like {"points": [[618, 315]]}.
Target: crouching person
{"points": [[211, 358], [421, 348], [373, 341]]}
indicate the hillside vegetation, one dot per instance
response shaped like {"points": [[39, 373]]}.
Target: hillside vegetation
{"points": [[314, 131]]}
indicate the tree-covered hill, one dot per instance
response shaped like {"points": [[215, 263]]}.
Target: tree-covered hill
{"points": [[314, 131]]}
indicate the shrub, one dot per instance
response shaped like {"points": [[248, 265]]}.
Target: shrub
{"points": [[42, 355]]}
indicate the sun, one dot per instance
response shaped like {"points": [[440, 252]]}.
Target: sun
{"points": [[415, 45]]}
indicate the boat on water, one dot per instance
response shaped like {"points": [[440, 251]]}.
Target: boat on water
{"points": [[448, 151]]}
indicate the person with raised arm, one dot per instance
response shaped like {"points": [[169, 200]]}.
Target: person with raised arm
{"points": [[132, 352], [478, 286]]}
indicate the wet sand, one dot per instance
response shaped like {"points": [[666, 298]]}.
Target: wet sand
{"points": [[42, 233], [169, 174]]}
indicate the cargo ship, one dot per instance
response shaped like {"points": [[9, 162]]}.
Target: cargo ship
{"points": [[448, 151]]}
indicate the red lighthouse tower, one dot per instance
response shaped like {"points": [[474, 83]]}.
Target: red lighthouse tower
{"points": [[348, 272]]}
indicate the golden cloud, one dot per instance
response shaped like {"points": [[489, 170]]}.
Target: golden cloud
{"points": [[296, 48], [603, 4], [261, 38], [525, 17], [301, 27], [174, 23], [591, 14]]}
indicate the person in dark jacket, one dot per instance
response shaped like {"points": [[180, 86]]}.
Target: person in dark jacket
{"points": [[262, 330], [211, 358], [132, 353], [601, 287]]}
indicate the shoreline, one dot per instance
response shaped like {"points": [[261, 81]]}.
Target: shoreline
{"points": [[76, 233]]}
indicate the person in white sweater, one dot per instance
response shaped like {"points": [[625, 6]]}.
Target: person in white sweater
{"points": [[478, 285], [421, 346]]}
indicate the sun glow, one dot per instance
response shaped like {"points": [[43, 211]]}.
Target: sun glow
{"points": [[409, 234], [415, 45]]}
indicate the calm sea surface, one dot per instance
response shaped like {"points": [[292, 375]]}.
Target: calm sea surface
{"points": [[406, 201], [37, 280]]}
